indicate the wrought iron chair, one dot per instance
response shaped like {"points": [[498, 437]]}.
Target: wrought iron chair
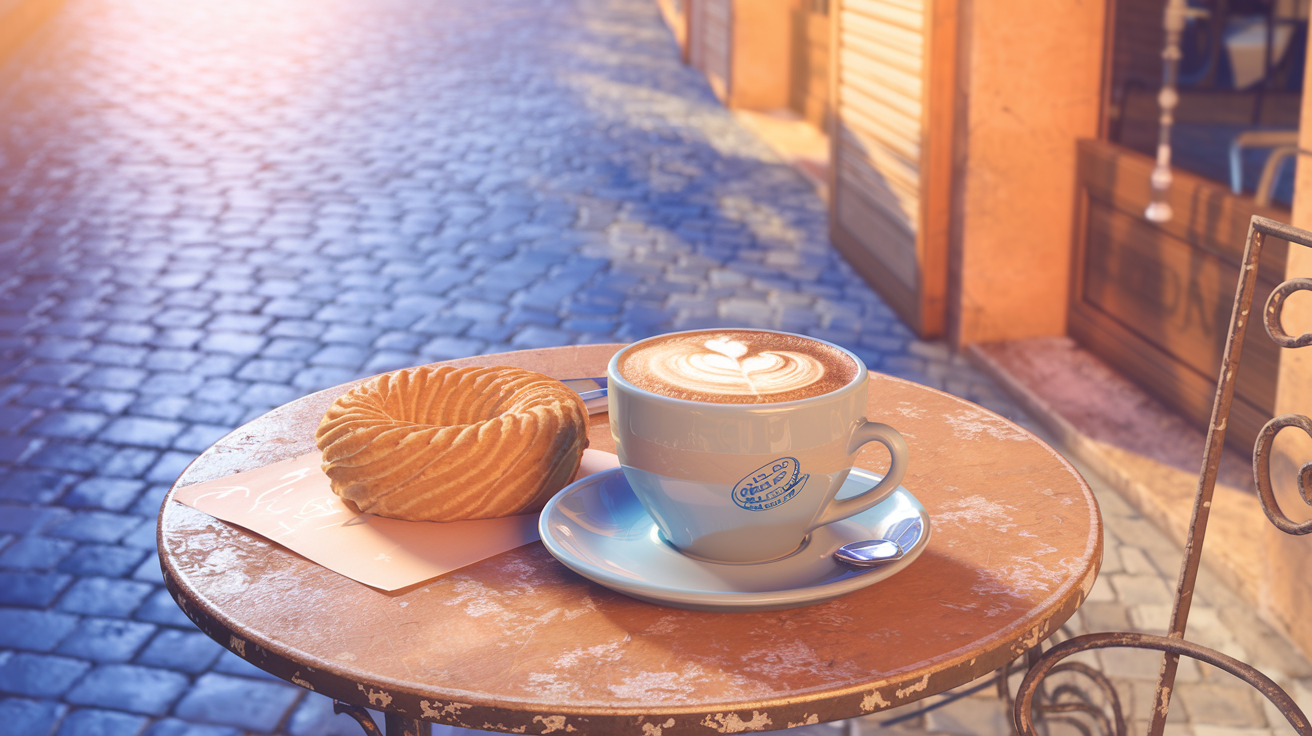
{"points": [[1032, 696]]}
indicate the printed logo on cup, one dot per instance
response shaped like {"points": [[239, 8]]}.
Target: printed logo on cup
{"points": [[770, 485]]}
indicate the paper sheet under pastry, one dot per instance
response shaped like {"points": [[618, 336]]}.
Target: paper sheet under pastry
{"points": [[291, 503]]}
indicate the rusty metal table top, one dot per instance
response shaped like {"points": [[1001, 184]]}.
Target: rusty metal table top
{"points": [[519, 643]]}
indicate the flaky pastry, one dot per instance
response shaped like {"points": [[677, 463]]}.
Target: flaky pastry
{"points": [[447, 444]]}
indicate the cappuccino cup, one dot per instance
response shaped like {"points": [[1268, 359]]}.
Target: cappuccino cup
{"points": [[736, 441]]}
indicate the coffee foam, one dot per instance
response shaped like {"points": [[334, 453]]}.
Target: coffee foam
{"points": [[737, 367]]}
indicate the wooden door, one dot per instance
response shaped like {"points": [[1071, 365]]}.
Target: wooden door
{"points": [[891, 137]]}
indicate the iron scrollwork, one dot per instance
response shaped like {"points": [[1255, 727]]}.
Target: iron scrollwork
{"points": [[1275, 305], [1273, 314], [1031, 697], [1064, 701], [1050, 663], [1262, 473]]}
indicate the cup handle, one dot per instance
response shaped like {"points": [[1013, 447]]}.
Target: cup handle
{"points": [[897, 450]]}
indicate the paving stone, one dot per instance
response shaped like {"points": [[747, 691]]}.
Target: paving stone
{"points": [[102, 560], [71, 455], [179, 338], [315, 717], [389, 360], [321, 377], [297, 328], [123, 379], [26, 518], [236, 701], [35, 553], [129, 462], [1141, 589], [541, 337], [111, 354], [170, 360], [111, 494], [143, 536], [93, 526], [70, 424], [38, 675], [106, 640], [348, 356], [103, 597], [96, 722], [175, 727], [17, 449], [160, 608], [59, 374], [142, 432], [184, 651], [128, 333], [252, 323], [24, 717], [47, 397], [230, 664], [149, 502], [268, 395], [136, 689], [272, 371], [399, 341], [31, 589], [441, 325], [32, 629], [969, 716], [1142, 665], [171, 383], [1233, 704], [235, 343], [351, 334], [103, 401], [160, 406], [447, 348]]}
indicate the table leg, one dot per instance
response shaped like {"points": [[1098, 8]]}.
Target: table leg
{"points": [[361, 717], [402, 726]]}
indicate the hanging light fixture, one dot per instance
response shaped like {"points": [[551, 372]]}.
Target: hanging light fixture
{"points": [[1159, 210]]}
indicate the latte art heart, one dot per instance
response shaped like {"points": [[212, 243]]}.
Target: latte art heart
{"points": [[737, 367], [766, 373]]}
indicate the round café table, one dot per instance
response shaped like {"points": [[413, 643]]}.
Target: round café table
{"points": [[518, 643]]}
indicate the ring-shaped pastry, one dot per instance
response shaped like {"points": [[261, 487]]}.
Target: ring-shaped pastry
{"points": [[448, 444]]}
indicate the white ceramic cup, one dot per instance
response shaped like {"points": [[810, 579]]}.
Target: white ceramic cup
{"points": [[742, 483]]}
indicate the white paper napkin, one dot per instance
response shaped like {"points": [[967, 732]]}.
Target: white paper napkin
{"points": [[291, 503]]}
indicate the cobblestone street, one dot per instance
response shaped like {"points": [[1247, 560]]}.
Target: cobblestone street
{"points": [[210, 209]]}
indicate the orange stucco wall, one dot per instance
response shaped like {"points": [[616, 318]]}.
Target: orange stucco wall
{"points": [[1030, 80], [1287, 588]]}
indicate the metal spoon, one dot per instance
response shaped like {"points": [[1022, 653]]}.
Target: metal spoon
{"points": [[869, 553], [594, 398]]}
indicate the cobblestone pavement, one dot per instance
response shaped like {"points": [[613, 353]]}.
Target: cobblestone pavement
{"points": [[212, 208]]}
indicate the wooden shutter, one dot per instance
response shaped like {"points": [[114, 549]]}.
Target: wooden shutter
{"points": [[711, 54], [892, 82]]}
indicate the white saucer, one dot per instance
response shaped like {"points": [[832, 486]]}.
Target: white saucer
{"points": [[597, 528]]}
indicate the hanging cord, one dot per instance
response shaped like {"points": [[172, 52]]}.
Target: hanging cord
{"points": [[1159, 210]]}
